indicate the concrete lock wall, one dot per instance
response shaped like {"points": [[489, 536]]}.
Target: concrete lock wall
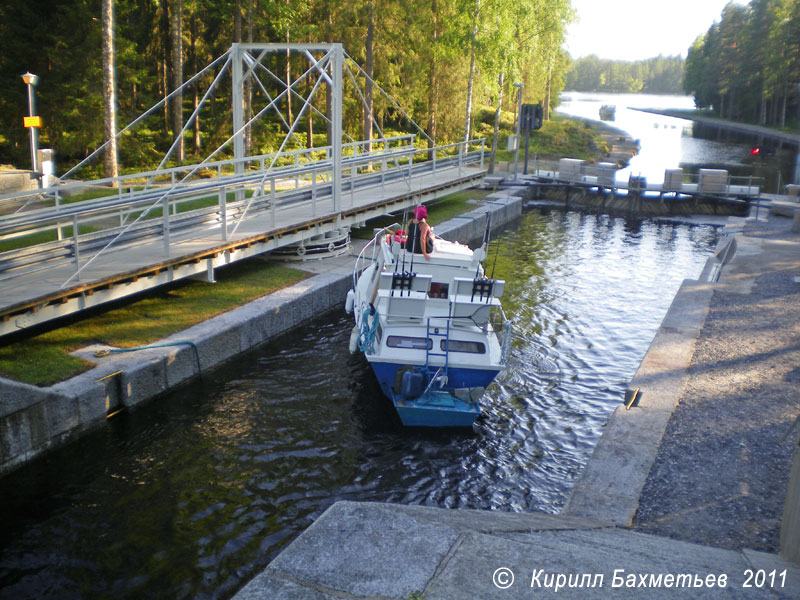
{"points": [[33, 419]]}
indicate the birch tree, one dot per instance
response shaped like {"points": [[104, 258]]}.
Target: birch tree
{"points": [[109, 91]]}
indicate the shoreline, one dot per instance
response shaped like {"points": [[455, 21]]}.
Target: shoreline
{"points": [[623, 146], [759, 130]]}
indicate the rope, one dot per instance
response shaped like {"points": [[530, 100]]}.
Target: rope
{"points": [[101, 353], [366, 337]]}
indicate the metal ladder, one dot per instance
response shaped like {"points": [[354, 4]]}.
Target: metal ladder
{"points": [[432, 351]]}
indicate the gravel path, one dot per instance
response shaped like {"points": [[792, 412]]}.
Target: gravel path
{"points": [[721, 472]]}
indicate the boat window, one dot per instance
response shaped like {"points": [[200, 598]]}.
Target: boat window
{"points": [[379, 334], [413, 343], [463, 346], [438, 290]]}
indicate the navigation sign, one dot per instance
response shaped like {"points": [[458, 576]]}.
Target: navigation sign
{"points": [[530, 117], [33, 121]]}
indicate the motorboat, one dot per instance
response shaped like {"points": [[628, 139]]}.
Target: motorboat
{"points": [[429, 328], [608, 112]]}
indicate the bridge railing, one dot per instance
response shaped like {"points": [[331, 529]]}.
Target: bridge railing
{"points": [[179, 175], [172, 206]]}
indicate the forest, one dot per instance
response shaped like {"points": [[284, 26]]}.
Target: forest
{"points": [[440, 60], [659, 75], [747, 66]]}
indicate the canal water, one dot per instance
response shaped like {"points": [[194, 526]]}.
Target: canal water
{"points": [[668, 143], [193, 494]]}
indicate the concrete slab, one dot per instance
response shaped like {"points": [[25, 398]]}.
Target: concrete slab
{"points": [[608, 488], [360, 550], [142, 381], [356, 549], [594, 558], [268, 586], [18, 396]]}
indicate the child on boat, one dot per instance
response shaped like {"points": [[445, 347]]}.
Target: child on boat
{"points": [[420, 234]]}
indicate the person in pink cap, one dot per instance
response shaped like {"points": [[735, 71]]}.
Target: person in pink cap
{"points": [[420, 234]]}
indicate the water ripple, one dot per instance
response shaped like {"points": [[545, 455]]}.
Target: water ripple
{"points": [[191, 495]]}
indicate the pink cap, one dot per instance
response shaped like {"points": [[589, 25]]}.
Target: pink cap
{"points": [[421, 213]]}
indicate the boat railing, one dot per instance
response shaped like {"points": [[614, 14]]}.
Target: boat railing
{"points": [[373, 243]]}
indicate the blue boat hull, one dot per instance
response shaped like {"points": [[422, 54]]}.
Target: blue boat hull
{"points": [[437, 408]]}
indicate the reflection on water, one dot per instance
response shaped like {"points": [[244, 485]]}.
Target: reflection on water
{"points": [[194, 493], [669, 143]]}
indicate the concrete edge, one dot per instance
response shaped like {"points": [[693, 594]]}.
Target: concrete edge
{"points": [[608, 488], [34, 420]]}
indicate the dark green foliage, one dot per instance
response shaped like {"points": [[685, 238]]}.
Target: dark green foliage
{"points": [[660, 75], [61, 42], [747, 66]]}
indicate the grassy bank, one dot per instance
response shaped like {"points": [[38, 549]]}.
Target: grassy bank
{"points": [[559, 137], [44, 359]]}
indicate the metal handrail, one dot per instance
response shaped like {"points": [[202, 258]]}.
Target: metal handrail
{"points": [[115, 202], [136, 178], [361, 170]]}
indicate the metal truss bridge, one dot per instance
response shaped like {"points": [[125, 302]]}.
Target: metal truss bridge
{"points": [[171, 223]]}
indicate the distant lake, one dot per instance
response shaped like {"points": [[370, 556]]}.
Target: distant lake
{"points": [[668, 143]]}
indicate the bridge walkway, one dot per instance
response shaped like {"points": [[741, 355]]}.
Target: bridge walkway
{"points": [[53, 290]]}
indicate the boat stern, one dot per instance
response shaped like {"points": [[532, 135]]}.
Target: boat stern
{"points": [[437, 409]]}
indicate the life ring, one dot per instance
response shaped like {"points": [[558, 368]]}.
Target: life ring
{"points": [[301, 250]]}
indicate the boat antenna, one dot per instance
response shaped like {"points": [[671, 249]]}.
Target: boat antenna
{"points": [[404, 224], [485, 244], [403, 250], [496, 252], [413, 244]]}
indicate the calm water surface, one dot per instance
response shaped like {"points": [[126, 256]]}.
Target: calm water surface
{"points": [[668, 143], [191, 495]]}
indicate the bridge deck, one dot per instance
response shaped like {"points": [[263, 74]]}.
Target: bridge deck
{"points": [[39, 295]]}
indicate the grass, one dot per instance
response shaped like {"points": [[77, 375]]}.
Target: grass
{"points": [[558, 138], [42, 237], [44, 359], [439, 211]]}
